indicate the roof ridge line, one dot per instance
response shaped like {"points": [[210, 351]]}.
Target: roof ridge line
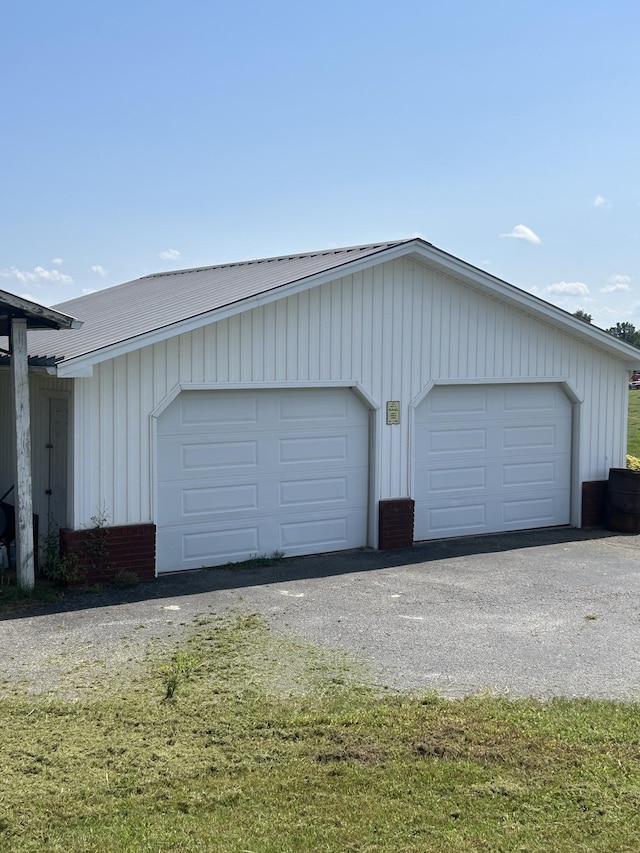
{"points": [[292, 257]]}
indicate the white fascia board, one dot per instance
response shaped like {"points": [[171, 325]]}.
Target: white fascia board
{"points": [[82, 365], [76, 371], [471, 275]]}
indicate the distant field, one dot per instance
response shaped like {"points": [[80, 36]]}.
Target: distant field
{"points": [[633, 440]]}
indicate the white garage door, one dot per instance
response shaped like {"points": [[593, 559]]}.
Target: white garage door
{"points": [[491, 458], [245, 473]]}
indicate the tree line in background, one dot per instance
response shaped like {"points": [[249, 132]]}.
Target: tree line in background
{"points": [[625, 331]]}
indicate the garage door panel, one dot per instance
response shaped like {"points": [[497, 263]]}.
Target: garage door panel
{"points": [[494, 515], [189, 413], [199, 460], [448, 401], [530, 512], [447, 440], [201, 545], [195, 456], [328, 533], [544, 473], [195, 409], [313, 490], [530, 437], [452, 519], [209, 503], [193, 504], [194, 549], [308, 409], [225, 454], [506, 467], [216, 499], [310, 451], [217, 544], [493, 475], [296, 481], [531, 398], [461, 479]]}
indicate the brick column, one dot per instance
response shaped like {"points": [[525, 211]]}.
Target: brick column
{"points": [[594, 502], [395, 523]]}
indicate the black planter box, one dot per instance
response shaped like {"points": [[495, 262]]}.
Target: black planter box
{"points": [[623, 500]]}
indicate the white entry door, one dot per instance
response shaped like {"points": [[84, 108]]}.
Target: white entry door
{"points": [[246, 473], [491, 458]]}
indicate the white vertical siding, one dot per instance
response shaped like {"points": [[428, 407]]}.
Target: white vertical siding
{"points": [[393, 328]]}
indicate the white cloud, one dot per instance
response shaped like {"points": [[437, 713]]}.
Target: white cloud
{"points": [[522, 232], [99, 269], [600, 201], [616, 282], [617, 312], [569, 288], [52, 275], [170, 255], [38, 275], [612, 288], [87, 290], [57, 261]]}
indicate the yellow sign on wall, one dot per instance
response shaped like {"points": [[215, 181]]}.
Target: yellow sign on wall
{"points": [[393, 411]]}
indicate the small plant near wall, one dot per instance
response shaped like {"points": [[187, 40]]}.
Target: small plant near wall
{"points": [[90, 559], [96, 545], [62, 570]]}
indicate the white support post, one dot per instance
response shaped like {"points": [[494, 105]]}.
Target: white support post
{"points": [[22, 492]]}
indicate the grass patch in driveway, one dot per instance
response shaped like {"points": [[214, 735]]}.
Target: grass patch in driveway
{"points": [[263, 744]]}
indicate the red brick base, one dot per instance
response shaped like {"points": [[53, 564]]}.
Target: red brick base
{"points": [[395, 518], [594, 503], [112, 554]]}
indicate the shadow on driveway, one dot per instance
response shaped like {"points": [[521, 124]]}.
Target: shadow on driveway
{"points": [[187, 583]]}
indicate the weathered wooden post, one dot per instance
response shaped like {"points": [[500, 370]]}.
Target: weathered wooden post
{"points": [[23, 500]]}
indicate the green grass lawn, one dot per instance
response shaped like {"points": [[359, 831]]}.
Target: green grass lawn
{"points": [[633, 440], [243, 741]]}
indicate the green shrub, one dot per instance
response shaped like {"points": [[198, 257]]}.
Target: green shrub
{"points": [[62, 570], [633, 462]]}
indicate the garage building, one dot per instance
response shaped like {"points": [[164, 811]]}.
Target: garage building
{"points": [[365, 396]]}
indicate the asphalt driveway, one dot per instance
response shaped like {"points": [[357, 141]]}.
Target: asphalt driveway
{"points": [[543, 614]]}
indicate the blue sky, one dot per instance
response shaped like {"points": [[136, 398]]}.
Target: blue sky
{"points": [[159, 135]]}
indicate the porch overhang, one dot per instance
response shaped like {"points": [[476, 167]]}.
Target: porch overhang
{"points": [[17, 316]]}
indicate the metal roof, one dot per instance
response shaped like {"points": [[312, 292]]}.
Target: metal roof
{"points": [[154, 307], [161, 300]]}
